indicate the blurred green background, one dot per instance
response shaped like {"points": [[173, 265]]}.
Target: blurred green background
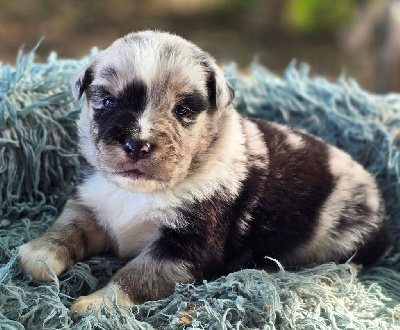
{"points": [[357, 38]]}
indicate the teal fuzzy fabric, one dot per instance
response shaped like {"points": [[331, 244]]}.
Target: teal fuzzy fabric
{"points": [[38, 168]]}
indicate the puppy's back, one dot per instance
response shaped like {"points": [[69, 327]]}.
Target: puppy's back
{"points": [[315, 204]]}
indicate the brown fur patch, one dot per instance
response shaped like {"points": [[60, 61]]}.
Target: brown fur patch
{"points": [[75, 235]]}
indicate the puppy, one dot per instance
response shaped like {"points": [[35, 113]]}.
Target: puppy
{"points": [[174, 179]]}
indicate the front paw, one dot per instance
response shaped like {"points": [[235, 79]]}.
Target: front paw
{"points": [[38, 258], [111, 296]]}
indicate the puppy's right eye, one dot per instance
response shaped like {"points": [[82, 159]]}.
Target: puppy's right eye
{"points": [[109, 102]]}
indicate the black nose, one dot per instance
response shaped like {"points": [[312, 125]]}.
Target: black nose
{"points": [[137, 149]]}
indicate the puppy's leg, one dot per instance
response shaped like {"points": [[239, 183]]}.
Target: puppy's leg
{"points": [[146, 277], [73, 237]]}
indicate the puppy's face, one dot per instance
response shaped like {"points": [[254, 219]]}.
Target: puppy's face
{"points": [[153, 106]]}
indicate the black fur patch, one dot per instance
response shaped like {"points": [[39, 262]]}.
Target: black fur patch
{"points": [[211, 83], [96, 94], [195, 102], [116, 124], [86, 81], [297, 185], [212, 89], [134, 97]]}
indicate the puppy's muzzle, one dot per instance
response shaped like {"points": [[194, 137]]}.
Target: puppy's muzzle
{"points": [[138, 149]]}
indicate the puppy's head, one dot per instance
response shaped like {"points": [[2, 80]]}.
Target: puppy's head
{"points": [[152, 111]]}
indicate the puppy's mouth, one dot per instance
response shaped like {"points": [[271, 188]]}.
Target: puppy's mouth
{"points": [[134, 174]]}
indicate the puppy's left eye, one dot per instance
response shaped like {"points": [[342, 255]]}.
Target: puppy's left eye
{"points": [[109, 102], [181, 110]]}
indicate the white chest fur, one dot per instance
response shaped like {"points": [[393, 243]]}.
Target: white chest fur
{"points": [[132, 219]]}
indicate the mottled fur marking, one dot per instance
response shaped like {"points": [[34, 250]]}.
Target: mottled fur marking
{"points": [[217, 193]]}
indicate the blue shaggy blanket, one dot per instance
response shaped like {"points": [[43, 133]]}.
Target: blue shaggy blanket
{"points": [[38, 168]]}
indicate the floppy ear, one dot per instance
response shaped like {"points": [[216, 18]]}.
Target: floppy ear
{"points": [[81, 81], [225, 92], [220, 93]]}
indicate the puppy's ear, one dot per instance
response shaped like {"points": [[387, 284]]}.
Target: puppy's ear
{"points": [[82, 81], [220, 93]]}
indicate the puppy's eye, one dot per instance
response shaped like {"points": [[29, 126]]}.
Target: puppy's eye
{"points": [[109, 102], [181, 110]]}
